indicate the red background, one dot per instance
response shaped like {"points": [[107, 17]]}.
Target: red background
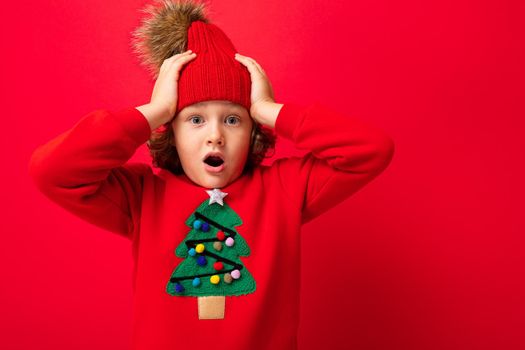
{"points": [[427, 256]]}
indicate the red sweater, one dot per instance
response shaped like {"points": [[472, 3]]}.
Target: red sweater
{"points": [[86, 171]]}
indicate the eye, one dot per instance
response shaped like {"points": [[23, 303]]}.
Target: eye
{"points": [[232, 120], [195, 120]]}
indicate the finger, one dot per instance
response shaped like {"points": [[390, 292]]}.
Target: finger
{"points": [[187, 52], [252, 67], [256, 64], [169, 62], [178, 55], [180, 58], [251, 61], [180, 62], [260, 68]]}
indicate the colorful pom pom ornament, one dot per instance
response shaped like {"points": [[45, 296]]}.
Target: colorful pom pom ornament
{"points": [[236, 274], [228, 278], [200, 248], [201, 260], [197, 224], [230, 241]]}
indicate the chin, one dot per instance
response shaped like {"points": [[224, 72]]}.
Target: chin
{"points": [[207, 180], [211, 182]]}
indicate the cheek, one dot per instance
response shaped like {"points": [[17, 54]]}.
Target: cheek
{"points": [[242, 147], [185, 145]]}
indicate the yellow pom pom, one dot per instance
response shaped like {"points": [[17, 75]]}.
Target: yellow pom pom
{"points": [[199, 248], [215, 279]]}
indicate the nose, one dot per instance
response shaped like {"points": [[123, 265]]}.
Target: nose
{"points": [[215, 137]]}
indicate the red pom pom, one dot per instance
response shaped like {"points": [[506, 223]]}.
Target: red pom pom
{"points": [[220, 236], [218, 266]]}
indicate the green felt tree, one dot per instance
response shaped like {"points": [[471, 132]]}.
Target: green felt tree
{"points": [[211, 251]]}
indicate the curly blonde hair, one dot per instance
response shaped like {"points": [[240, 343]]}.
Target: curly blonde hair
{"points": [[164, 154]]}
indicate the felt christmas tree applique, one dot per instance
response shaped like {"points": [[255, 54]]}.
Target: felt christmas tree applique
{"points": [[212, 269]]}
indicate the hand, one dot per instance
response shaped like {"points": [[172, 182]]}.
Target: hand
{"points": [[163, 104], [263, 107]]}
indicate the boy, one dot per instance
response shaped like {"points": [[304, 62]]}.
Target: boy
{"points": [[212, 201]]}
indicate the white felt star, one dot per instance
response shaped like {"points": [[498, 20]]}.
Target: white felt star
{"points": [[216, 196]]}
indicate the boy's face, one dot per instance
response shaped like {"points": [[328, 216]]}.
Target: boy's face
{"points": [[220, 128]]}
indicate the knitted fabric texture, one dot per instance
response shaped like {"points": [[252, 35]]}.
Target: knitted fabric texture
{"points": [[214, 74]]}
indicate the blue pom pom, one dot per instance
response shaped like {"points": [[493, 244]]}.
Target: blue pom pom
{"points": [[196, 281], [197, 224], [179, 288], [201, 260], [192, 252], [205, 227]]}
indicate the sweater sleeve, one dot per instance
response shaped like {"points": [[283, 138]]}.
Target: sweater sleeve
{"points": [[85, 169], [344, 154]]}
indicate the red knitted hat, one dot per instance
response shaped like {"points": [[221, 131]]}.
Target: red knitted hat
{"points": [[215, 74]]}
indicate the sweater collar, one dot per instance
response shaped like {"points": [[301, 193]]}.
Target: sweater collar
{"points": [[234, 188]]}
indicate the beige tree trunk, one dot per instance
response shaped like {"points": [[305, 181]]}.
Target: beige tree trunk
{"points": [[211, 307]]}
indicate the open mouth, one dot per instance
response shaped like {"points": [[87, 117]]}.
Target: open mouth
{"points": [[214, 161]]}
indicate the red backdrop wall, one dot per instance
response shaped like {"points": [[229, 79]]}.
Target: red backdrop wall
{"points": [[428, 256]]}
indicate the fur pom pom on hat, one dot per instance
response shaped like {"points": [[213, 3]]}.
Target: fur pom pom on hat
{"points": [[175, 26]]}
